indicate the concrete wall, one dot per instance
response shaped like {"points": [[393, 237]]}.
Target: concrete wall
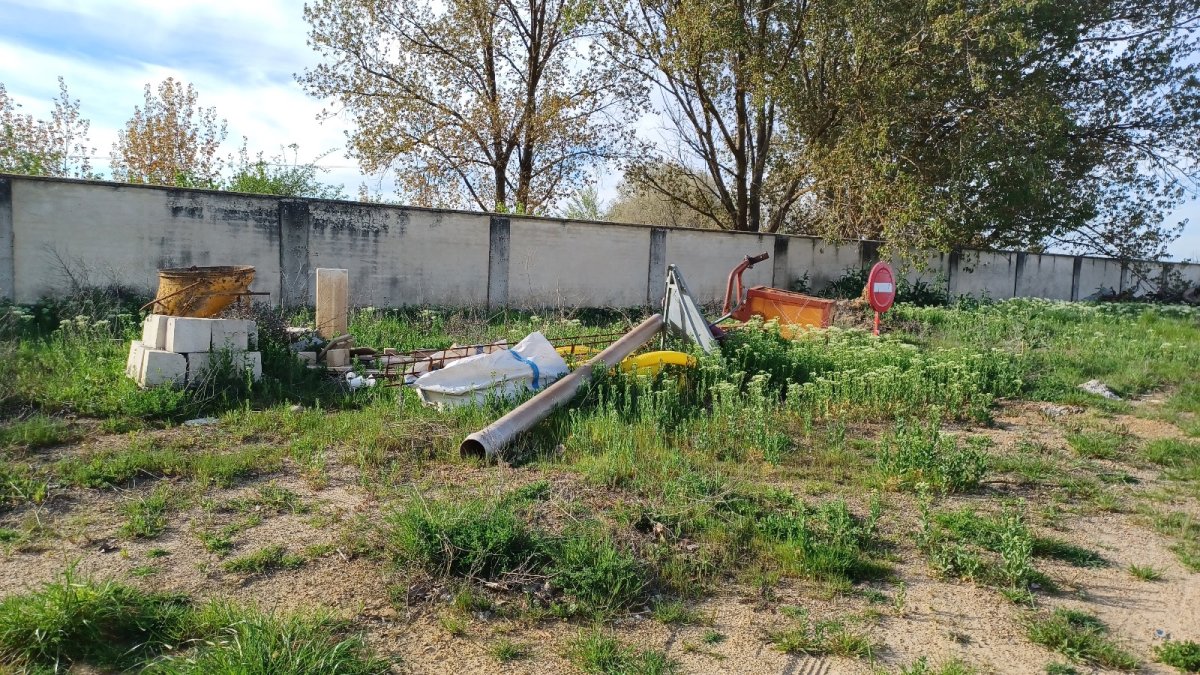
{"points": [[55, 233]]}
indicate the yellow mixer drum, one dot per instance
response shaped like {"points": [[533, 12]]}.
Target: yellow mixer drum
{"points": [[200, 292]]}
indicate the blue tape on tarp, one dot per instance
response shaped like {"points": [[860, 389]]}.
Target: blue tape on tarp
{"points": [[531, 364]]}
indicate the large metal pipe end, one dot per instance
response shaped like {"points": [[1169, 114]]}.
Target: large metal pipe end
{"points": [[472, 446]]}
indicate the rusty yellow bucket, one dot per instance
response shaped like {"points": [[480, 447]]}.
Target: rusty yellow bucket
{"points": [[200, 292]]}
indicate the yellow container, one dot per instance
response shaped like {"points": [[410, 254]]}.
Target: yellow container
{"points": [[200, 292]]}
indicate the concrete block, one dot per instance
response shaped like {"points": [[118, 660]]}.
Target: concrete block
{"points": [[231, 334], [133, 365], [154, 331], [198, 364], [186, 335], [335, 358], [162, 367], [308, 358]]}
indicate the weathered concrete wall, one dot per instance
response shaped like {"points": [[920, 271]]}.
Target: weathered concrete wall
{"points": [[566, 264], [1045, 276], [705, 258], [397, 256], [55, 233], [990, 274], [107, 233]]}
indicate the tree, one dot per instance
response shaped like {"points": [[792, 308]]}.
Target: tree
{"points": [[171, 140], [282, 176], [53, 147], [584, 204], [497, 104], [638, 202], [714, 64]]}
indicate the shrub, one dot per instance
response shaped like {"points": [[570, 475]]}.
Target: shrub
{"points": [[471, 538], [914, 453], [1182, 655]]}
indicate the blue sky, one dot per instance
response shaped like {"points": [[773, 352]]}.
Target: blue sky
{"points": [[241, 56]]}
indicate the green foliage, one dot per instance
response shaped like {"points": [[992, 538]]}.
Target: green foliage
{"points": [[468, 538], [282, 175], [506, 651], [953, 666], [1096, 444], [146, 516], [36, 431], [1080, 637], [264, 560], [147, 459], [1182, 655], [815, 638], [77, 620], [598, 653], [913, 454], [1145, 572], [590, 568], [20, 484]]}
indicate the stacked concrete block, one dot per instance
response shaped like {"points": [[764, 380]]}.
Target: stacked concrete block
{"points": [[181, 350]]}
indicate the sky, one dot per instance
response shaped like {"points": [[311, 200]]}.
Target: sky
{"points": [[241, 57]]}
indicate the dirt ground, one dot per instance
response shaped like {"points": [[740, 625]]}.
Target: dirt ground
{"points": [[938, 619]]}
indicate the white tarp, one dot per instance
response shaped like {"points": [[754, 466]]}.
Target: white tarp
{"points": [[532, 364]]}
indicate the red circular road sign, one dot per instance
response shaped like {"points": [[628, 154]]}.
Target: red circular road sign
{"points": [[881, 287]]}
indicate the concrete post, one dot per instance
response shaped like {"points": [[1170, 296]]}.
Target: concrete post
{"points": [[1020, 271], [8, 267], [779, 265], [656, 272], [1076, 272], [333, 299], [295, 222], [498, 251]]}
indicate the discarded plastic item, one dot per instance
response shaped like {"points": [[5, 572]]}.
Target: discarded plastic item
{"points": [[681, 313], [201, 422], [201, 292], [532, 364], [1100, 389], [356, 381], [490, 440], [653, 362]]}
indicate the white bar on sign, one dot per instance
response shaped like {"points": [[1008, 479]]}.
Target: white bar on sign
{"points": [[883, 287]]}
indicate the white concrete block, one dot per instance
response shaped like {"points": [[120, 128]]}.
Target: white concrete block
{"points": [[133, 365], [308, 358], [154, 331], [162, 367], [231, 334], [186, 335], [198, 364]]}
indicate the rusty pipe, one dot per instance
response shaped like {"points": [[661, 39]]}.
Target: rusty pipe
{"points": [[493, 438]]}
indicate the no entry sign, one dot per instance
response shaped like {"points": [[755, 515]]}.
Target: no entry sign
{"points": [[881, 289]]}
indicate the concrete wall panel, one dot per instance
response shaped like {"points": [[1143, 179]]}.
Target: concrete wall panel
{"points": [[990, 274], [104, 234], [1096, 274], [573, 264], [705, 257], [822, 261], [398, 257], [1046, 276]]}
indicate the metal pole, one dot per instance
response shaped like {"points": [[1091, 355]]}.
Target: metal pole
{"points": [[493, 438]]}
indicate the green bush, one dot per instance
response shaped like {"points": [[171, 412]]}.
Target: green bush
{"points": [[914, 453], [1182, 655]]}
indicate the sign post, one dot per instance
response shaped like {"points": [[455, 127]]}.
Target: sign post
{"points": [[881, 290]]}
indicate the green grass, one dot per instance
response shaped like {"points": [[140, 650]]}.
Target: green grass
{"points": [[1097, 444], [1182, 655], [20, 484], [913, 454], [1145, 572], [676, 612], [264, 560], [816, 638], [954, 666], [599, 653], [36, 431], [146, 516], [505, 650], [1185, 530], [1079, 636]]}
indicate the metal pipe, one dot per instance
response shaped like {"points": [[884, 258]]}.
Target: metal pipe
{"points": [[493, 438]]}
